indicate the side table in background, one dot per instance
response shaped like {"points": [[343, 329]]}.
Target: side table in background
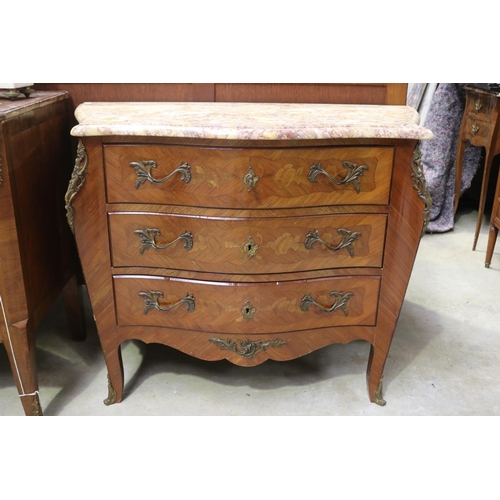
{"points": [[481, 128]]}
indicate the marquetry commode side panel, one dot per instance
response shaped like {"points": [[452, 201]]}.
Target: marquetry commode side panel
{"points": [[247, 250]]}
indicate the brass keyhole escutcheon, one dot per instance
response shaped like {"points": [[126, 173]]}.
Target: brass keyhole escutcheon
{"points": [[250, 179], [248, 310], [250, 247]]}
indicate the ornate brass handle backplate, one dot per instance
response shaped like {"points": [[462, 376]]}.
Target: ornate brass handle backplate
{"points": [[348, 238], [143, 171], [475, 128], [247, 348], [151, 302], [341, 302], [479, 105], [148, 240], [353, 172]]}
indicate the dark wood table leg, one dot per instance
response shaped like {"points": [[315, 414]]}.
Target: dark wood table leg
{"points": [[484, 188], [495, 223], [492, 238]]}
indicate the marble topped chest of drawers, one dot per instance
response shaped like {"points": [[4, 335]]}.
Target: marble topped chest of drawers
{"points": [[247, 231]]}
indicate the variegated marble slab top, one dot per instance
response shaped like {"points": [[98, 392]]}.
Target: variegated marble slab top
{"points": [[248, 121]]}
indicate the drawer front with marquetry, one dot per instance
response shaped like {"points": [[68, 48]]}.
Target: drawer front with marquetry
{"points": [[480, 106], [246, 308], [247, 246], [248, 178], [476, 131]]}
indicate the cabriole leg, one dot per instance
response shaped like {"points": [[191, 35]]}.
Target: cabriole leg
{"points": [[374, 374], [114, 365], [491, 245]]}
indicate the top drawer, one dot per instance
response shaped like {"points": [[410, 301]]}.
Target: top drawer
{"points": [[480, 106], [248, 178]]}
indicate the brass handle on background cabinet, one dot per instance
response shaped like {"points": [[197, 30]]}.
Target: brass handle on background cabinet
{"points": [[143, 171], [353, 172], [341, 302], [151, 302], [479, 105], [250, 179], [148, 240], [348, 238], [475, 128]]}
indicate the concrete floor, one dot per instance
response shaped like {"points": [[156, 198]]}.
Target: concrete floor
{"points": [[444, 359]]}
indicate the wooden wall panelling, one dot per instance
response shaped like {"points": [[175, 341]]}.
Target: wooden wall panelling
{"points": [[335, 93], [133, 92]]}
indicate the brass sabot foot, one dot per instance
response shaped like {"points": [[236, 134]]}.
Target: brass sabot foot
{"points": [[111, 394], [377, 395], [36, 408]]}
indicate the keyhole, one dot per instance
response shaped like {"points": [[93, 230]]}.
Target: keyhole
{"points": [[250, 248], [248, 310]]}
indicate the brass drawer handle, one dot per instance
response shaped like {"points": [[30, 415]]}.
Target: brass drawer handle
{"points": [[341, 302], [479, 105], [148, 239], [143, 171], [353, 172], [247, 348], [348, 238], [475, 128], [250, 179], [151, 301]]}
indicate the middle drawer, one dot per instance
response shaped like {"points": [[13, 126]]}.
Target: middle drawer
{"points": [[246, 245]]}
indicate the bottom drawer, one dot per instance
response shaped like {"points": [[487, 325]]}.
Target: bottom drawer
{"points": [[476, 131], [247, 308]]}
